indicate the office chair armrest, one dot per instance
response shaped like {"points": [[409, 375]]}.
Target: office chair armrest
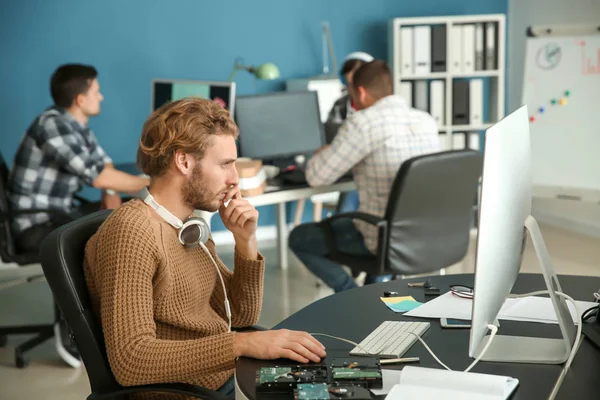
{"points": [[371, 219], [177, 388]]}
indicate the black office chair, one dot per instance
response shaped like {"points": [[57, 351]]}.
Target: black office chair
{"points": [[12, 277], [62, 254], [427, 220]]}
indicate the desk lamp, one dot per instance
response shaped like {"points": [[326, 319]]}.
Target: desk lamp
{"points": [[265, 71]]}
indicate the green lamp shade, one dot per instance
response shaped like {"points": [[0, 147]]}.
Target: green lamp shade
{"points": [[267, 71]]}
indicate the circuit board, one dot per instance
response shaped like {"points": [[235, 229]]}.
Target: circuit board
{"points": [[359, 371], [284, 379], [322, 391]]}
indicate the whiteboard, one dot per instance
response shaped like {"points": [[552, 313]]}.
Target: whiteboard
{"points": [[562, 93]]}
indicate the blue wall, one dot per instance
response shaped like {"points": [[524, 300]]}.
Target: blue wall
{"points": [[133, 41]]}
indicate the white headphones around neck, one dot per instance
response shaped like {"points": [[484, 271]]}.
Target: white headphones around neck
{"points": [[191, 233]]}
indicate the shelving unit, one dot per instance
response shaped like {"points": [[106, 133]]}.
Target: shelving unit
{"points": [[494, 79]]}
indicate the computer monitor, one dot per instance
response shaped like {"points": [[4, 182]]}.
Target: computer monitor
{"points": [[164, 91], [504, 220], [278, 125]]}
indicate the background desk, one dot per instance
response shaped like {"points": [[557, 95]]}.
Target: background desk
{"points": [[278, 197], [353, 314]]}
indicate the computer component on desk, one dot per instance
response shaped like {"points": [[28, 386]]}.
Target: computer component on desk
{"points": [[166, 90], [357, 371], [323, 391], [283, 380], [391, 339], [504, 221]]}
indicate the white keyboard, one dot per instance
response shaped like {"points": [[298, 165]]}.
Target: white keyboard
{"points": [[391, 339]]}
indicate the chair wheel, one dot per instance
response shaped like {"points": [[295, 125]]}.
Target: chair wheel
{"points": [[3, 340], [20, 361]]}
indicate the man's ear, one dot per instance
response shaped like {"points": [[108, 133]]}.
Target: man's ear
{"points": [[362, 94], [184, 162]]}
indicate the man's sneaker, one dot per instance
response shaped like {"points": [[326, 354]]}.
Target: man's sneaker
{"points": [[65, 345]]}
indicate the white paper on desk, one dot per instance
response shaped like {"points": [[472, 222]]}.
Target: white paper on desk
{"points": [[435, 384], [390, 378], [527, 309]]}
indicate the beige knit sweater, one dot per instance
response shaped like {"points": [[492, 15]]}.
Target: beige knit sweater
{"points": [[161, 305]]}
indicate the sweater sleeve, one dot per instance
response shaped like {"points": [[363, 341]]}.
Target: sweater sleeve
{"points": [[244, 288], [126, 261]]}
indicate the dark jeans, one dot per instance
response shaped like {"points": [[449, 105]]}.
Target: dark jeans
{"points": [[30, 239], [309, 244]]}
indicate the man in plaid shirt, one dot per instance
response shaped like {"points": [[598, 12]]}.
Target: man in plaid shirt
{"points": [[58, 155], [373, 143]]}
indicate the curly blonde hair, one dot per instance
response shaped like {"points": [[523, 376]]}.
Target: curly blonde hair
{"points": [[183, 125]]}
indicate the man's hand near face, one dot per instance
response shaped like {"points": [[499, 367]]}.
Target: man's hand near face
{"points": [[241, 218]]}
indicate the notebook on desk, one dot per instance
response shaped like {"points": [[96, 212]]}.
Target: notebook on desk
{"points": [[436, 384], [298, 177]]}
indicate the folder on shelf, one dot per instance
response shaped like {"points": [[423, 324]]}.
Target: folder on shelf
{"points": [[436, 102], [438, 48], [460, 102], [420, 98], [476, 102], [422, 50], [406, 92], [490, 46], [459, 141], [406, 51], [455, 49], [474, 141], [468, 48], [479, 48]]}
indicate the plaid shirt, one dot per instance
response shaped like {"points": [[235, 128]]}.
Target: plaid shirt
{"points": [[374, 143], [56, 156]]}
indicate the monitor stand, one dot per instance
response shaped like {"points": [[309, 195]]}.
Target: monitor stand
{"points": [[518, 349]]}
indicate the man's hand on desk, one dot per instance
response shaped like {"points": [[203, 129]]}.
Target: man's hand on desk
{"points": [[271, 345]]}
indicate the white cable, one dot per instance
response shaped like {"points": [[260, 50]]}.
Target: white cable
{"points": [[494, 330], [227, 308]]}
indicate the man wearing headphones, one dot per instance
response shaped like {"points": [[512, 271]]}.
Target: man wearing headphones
{"points": [[165, 300]]}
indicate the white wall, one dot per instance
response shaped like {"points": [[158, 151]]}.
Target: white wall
{"points": [[577, 216]]}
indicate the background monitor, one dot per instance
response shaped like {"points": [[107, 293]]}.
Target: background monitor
{"points": [[164, 91], [278, 125]]}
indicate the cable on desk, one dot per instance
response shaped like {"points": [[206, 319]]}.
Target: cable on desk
{"points": [[494, 330]]}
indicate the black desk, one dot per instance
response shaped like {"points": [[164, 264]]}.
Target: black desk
{"points": [[355, 313]]}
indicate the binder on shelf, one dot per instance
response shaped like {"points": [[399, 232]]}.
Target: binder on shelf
{"points": [[406, 92], [476, 102], [420, 96], [438, 48], [490, 46], [436, 102], [456, 49], [459, 141], [422, 49], [474, 141], [406, 48], [468, 48], [460, 102], [479, 48]]}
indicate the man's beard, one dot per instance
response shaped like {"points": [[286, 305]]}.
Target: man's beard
{"points": [[196, 195]]}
